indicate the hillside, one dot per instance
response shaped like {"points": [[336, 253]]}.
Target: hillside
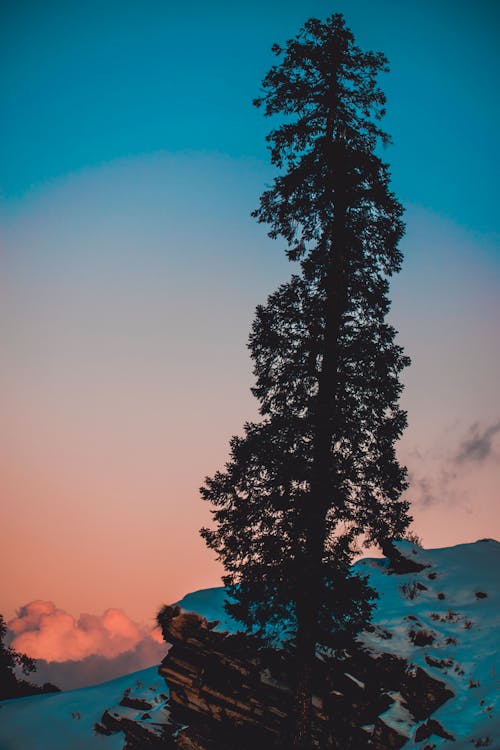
{"points": [[443, 619]]}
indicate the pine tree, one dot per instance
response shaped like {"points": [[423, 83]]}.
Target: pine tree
{"points": [[319, 470]]}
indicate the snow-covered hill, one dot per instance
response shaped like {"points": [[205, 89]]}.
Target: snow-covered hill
{"points": [[445, 619], [69, 720]]}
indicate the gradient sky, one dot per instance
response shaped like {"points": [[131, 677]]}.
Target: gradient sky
{"points": [[130, 159]]}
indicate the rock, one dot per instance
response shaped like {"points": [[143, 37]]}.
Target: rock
{"points": [[101, 728], [398, 563], [222, 687], [422, 637], [423, 694], [140, 731], [386, 738], [138, 703], [229, 693], [439, 663], [431, 727]]}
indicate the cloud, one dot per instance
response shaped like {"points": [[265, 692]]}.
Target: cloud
{"points": [[431, 484], [454, 468], [43, 631], [478, 445], [422, 489]]}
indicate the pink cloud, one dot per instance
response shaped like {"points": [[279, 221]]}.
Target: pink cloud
{"points": [[43, 631]]}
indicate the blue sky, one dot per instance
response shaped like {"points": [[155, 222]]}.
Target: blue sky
{"points": [[84, 83]]}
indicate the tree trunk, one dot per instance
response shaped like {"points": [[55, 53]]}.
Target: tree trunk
{"points": [[303, 694], [307, 611], [322, 485]]}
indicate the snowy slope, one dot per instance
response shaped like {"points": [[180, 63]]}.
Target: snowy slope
{"points": [[444, 619], [65, 721], [455, 601], [459, 609]]}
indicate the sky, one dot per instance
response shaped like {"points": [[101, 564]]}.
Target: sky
{"points": [[130, 160]]}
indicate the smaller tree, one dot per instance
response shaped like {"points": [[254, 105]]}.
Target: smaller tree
{"points": [[10, 661]]}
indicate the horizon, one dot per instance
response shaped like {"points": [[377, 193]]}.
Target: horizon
{"points": [[131, 270]]}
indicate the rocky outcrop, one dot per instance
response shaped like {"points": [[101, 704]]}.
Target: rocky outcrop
{"points": [[399, 563], [384, 737], [230, 694], [432, 727], [142, 715]]}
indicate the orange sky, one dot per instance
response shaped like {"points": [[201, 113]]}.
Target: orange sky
{"points": [[125, 373]]}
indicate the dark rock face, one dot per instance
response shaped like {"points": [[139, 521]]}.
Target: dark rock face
{"points": [[429, 728], [143, 718], [423, 694], [439, 663], [386, 738], [398, 563], [421, 637], [229, 694], [138, 703], [139, 734]]}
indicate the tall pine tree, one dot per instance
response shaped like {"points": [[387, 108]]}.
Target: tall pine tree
{"points": [[319, 469]]}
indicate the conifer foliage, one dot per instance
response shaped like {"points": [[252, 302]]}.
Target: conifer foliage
{"points": [[319, 469], [11, 663]]}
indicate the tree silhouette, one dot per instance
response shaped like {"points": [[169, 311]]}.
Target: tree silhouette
{"points": [[10, 660], [319, 470]]}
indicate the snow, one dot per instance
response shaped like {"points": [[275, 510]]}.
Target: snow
{"points": [[209, 603], [65, 721], [355, 680], [397, 716], [455, 599], [465, 628]]}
